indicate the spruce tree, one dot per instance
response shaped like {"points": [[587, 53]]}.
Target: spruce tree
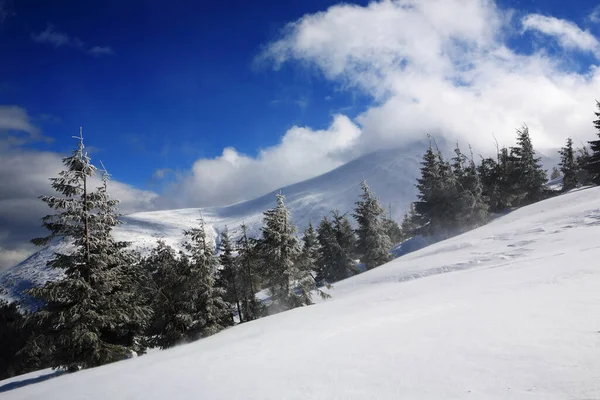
{"points": [[470, 205], [568, 166], [83, 315], [289, 281], [593, 162], [173, 292], [437, 194], [345, 256], [581, 162], [228, 275], [529, 175], [212, 313], [410, 223], [373, 244], [555, 173], [246, 261], [310, 248], [328, 250]]}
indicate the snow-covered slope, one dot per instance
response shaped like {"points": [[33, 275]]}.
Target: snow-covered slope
{"points": [[390, 173], [507, 311]]}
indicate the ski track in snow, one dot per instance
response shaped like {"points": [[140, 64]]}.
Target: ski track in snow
{"points": [[507, 311]]}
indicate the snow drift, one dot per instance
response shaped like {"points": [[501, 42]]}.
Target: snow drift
{"points": [[509, 310]]}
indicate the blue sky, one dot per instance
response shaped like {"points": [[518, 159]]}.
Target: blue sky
{"points": [[195, 103], [178, 83]]}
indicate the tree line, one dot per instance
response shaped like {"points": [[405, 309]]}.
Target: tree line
{"points": [[113, 303], [460, 194]]}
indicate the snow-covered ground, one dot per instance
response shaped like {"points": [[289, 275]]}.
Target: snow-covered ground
{"points": [[391, 174], [507, 311]]}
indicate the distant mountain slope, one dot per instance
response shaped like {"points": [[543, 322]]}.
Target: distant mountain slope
{"points": [[391, 174]]}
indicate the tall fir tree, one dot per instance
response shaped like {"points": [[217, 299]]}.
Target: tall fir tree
{"points": [[310, 248], [83, 316], [555, 173], [229, 276], [582, 159], [289, 281], [173, 294], [593, 162], [373, 244], [568, 166], [470, 204], [529, 175], [246, 261], [212, 313], [410, 223], [436, 200]]}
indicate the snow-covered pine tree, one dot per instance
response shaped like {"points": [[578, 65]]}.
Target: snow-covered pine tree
{"points": [[289, 282], [212, 313], [582, 159], [470, 205], [345, 258], [173, 294], [337, 245], [435, 204], [79, 312], [310, 248], [392, 229], [328, 250], [121, 266], [568, 166], [228, 274], [410, 223], [593, 162], [373, 244], [529, 176], [555, 173], [246, 261]]}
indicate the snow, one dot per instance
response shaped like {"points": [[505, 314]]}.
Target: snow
{"points": [[307, 201], [510, 310]]}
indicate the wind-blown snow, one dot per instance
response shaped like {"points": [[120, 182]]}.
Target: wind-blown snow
{"points": [[390, 173], [507, 311]]}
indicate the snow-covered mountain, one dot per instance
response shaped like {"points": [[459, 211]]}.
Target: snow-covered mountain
{"points": [[390, 173], [506, 311]]}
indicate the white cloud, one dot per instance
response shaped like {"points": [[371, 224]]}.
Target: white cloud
{"points": [[595, 15], [101, 51], [431, 72], [301, 154], [567, 33], [60, 39]]}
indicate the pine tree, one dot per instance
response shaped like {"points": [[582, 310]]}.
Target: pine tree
{"points": [[14, 335], [246, 262], [373, 244], [410, 223], [173, 293], [499, 181], [437, 194], [555, 173], [470, 204], [212, 312], [310, 248], [593, 162], [568, 166], [529, 175], [581, 163], [121, 265], [229, 275], [328, 250], [289, 281], [82, 312]]}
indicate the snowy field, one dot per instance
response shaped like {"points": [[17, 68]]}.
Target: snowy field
{"points": [[507, 311]]}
